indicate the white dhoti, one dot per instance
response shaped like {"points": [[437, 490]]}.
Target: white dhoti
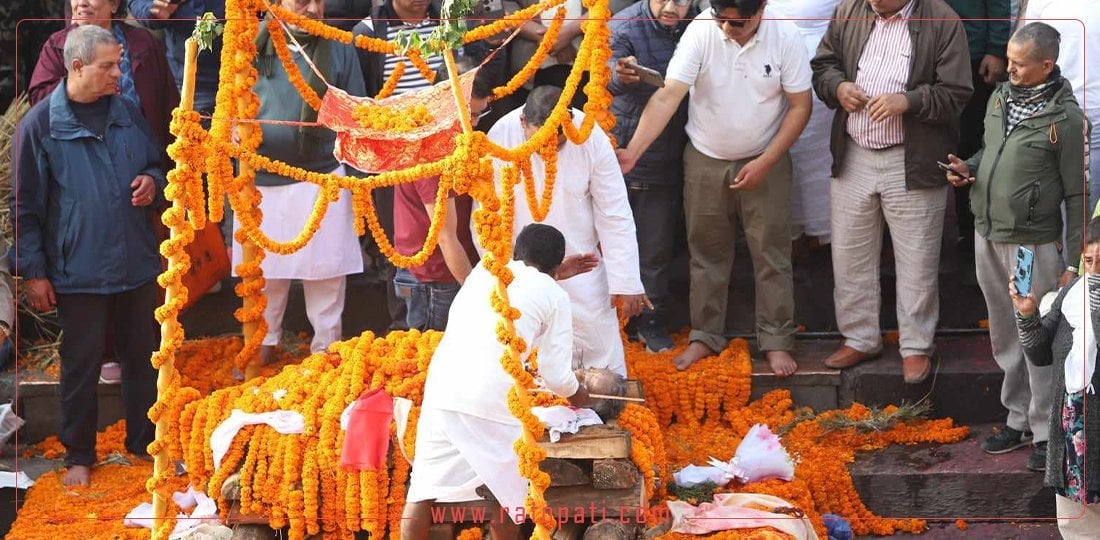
{"points": [[456, 452], [322, 263], [333, 251], [596, 341]]}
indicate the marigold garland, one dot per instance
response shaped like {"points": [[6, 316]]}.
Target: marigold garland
{"points": [[297, 479], [282, 50], [382, 118], [391, 83]]}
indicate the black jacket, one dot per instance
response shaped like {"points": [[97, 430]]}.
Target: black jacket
{"points": [[635, 32]]}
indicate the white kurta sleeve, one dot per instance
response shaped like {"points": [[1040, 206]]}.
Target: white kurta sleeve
{"points": [[556, 347], [613, 218]]}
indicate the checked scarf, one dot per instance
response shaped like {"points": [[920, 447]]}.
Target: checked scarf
{"points": [[1025, 102]]}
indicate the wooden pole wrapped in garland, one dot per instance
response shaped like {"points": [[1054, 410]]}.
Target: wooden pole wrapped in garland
{"points": [[181, 233], [468, 170]]}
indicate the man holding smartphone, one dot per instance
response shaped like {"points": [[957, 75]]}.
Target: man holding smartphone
{"points": [[749, 78], [177, 19], [643, 37], [1031, 163]]}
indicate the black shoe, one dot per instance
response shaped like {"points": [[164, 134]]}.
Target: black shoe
{"points": [[653, 335], [1005, 440], [1037, 461]]}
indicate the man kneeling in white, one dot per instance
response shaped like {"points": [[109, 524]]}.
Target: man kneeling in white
{"points": [[465, 432]]}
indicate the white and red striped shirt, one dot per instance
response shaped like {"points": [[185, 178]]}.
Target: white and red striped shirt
{"points": [[883, 69]]}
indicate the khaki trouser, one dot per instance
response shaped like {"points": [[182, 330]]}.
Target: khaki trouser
{"points": [[712, 211], [1077, 521], [870, 190], [1026, 391]]}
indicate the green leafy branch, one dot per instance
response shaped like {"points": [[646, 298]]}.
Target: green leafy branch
{"points": [[879, 420], [448, 35], [206, 30]]}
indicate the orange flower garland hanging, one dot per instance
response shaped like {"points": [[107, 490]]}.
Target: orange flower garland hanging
{"points": [[285, 476]]}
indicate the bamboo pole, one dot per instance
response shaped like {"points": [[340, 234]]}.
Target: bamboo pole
{"points": [[249, 250], [456, 89], [161, 460]]}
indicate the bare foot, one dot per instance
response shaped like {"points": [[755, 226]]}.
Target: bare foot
{"points": [[78, 475], [267, 355], [693, 353], [781, 362]]}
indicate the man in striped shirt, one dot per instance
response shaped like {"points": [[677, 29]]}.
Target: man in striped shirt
{"points": [[900, 75], [393, 16]]}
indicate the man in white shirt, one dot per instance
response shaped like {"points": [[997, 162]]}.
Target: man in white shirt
{"points": [[591, 209], [750, 100], [465, 430], [1078, 23]]}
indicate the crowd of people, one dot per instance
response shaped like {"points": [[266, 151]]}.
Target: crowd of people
{"points": [[832, 120]]}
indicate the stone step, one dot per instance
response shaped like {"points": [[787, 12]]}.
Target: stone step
{"points": [[952, 481], [995, 530], [965, 385]]}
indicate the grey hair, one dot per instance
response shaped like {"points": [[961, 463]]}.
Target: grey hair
{"points": [[607, 382], [540, 103], [82, 42], [1044, 39]]}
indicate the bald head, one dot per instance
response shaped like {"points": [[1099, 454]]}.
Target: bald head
{"points": [[604, 382]]}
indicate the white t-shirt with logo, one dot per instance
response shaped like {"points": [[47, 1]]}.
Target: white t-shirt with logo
{"points": [[737, 99]]}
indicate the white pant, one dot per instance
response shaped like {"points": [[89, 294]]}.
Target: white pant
{"points": [[324, 308], [1077, 521], [596, 342], [869, 192]]}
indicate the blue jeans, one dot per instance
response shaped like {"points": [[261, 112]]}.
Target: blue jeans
{"points": [[428, 303]]}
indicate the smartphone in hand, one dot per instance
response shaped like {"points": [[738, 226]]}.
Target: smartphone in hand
{"points": [[649, 76], [1025, 263], [946, 167]]}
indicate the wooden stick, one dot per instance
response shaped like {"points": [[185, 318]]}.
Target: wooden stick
{"points": [[162, 460], [598, 396]]}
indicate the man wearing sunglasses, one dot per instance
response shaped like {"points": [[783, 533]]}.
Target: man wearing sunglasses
{"points": [[750, 99], [898, 73], [645, 35]]}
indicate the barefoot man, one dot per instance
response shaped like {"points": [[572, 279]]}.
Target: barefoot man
{"points": [[750, 99], [465, 431], [591, 209], [87, 175]]}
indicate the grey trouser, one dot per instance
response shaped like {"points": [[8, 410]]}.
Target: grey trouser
{"points": [[1026, 391], [869, 192], [712, 211]]}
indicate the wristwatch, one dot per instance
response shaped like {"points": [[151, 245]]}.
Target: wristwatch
{"points": [[1071, 269]]}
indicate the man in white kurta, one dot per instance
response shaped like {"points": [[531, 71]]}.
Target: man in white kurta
{"points": [[591, 209], [465, 432]]}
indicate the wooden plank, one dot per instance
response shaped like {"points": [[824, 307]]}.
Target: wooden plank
{"points": [[614, 474], [442, 531], [591, 442], [254, 532], [566, 502], [565, 472], [598, 504], [237, 518], [610, 529]]}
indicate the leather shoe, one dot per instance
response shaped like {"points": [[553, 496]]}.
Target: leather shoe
{"points": [[846, 357], [916, 368]]}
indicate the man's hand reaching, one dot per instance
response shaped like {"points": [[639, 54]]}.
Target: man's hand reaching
{"points": [[574, 265]]}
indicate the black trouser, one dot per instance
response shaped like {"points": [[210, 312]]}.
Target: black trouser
{"points": [[656, 211], [972, 129], [84, 319]]}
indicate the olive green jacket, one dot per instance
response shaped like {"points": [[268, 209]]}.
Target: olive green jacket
{"points": [[1022, 178]]}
